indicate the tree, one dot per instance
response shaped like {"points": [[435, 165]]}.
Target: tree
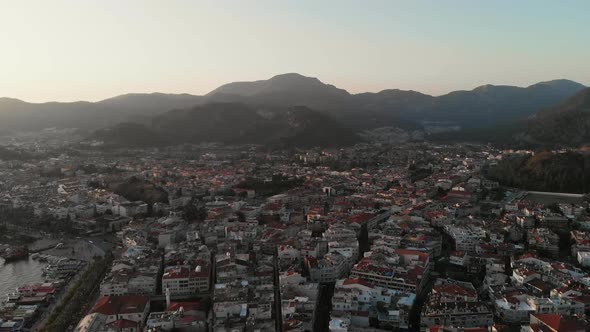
{"points": [[192, 212], [241, 216]]}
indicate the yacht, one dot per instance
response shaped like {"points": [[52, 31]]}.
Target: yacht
{"points": [[13, 297]]}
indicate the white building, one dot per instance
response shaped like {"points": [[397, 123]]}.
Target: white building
{"points": [[359, 301], [584, 258], [331, 267], [184, 280]]}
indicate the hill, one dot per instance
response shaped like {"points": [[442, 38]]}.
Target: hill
{"points": [[11, 154], [285, 90], [18, 115], [545, 171], [150, 104], [566, 124], [491, 105], [234, 123], [484, 106], [128, 135]]}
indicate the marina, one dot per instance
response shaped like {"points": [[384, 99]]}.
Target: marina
{"points": [[30, 286]]}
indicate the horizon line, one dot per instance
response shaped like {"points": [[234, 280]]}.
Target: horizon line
{"points": [[259, 80]]}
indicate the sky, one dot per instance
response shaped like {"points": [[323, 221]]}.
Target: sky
{"points": [[62, 50]]}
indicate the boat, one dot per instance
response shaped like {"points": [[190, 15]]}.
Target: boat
{"points": [[13, 297], [12, 254]]}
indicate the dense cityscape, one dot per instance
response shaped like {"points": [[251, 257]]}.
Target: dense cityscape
{"points": [[210, 237], [294, 166]]}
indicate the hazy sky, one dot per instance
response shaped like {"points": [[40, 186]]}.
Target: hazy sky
{"points": [[91, 50]]}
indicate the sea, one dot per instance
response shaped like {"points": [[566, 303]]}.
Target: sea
{"points": [[19, 273]]}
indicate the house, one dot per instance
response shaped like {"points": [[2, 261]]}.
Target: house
{"points": [[554, 323], [186, 280], [127, 312]]}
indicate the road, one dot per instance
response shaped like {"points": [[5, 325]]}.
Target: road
{"points": [[324, 306], [555, 194], [60, 297], [278, 301]]}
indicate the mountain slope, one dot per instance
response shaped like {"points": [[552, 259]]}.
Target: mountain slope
{"points": [[235, 123], [545, 171], [489, 104], [568, 123], [292, 82], [150, 104], [485, 106], [218, 122], [283, 90], [129, 135], [19, 115]]}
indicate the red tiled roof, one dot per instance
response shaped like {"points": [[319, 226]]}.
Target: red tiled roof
{"points": [[423, 257], [186, 306], [113, 305], [352, 281], [561, 324], [453, 289]]}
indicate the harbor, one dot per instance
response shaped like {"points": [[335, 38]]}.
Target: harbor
{"points": [[34, 278]]}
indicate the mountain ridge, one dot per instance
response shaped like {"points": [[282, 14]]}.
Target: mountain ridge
{"points": [[232, 123], [565, 124], [485, 105]]}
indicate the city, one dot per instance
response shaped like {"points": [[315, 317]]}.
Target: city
{"points": [[294, 166], [239, 238]]}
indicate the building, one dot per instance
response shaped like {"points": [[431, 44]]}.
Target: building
{"points": [[460, 314], [399, 269], [128, 311], [359, 302], [554, 323], [331, 267], [465, 238], [183, 280], [584, 258], [455, 303]]}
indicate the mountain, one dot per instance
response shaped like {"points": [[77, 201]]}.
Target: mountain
{"points": [[219, 122], [300, 126], [144, 104], [545, 171], [128, 135], [489, 105], [484, 106], [392, 107], [234, 123], [365, 110], [19, 115], [283, 90], [567, 124]]}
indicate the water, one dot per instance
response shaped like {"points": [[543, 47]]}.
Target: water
{"points": [[19, 273]]}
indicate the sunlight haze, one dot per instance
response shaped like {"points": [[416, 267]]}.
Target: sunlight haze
{"points": [[92, 50]]}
